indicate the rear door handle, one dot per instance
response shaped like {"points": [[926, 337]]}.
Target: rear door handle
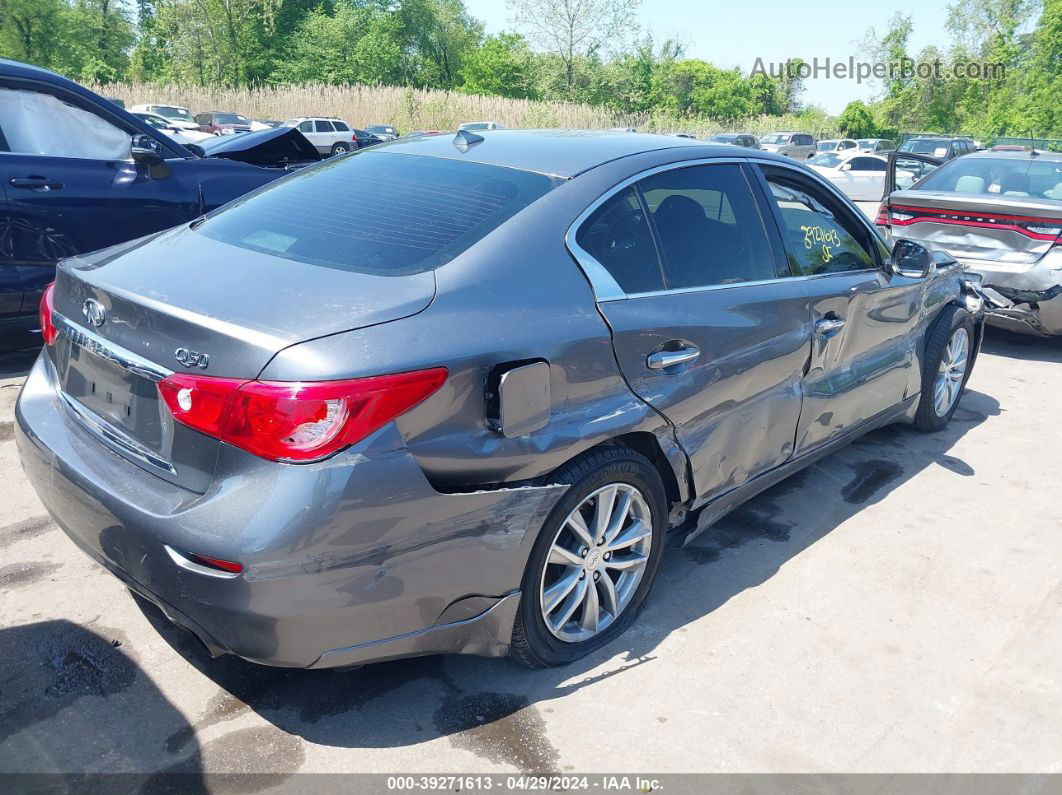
{"points": [[36, 183], [828, 326], [662, 360]]}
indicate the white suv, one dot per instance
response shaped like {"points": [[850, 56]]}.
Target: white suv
{"points": [[330, 135]]}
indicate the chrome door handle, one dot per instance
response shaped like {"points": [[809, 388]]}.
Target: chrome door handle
{"points": [[35, 183], [662, 360], [829, 326]]}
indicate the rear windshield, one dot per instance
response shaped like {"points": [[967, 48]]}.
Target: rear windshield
{"points": [[774, 139], [828, 160], [925, 147], [173, 113], [1037, 179], [378, 212], [229, 118]]}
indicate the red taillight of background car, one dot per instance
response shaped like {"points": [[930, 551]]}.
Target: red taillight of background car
{"points": [[48, 329], [883, 215], [299, 420]]}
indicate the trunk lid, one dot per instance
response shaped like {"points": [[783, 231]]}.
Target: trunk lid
{"points": [[1008, 229], [181, 301]]}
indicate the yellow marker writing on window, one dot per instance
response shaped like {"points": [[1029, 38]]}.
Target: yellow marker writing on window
{"points": [[826, 237]]}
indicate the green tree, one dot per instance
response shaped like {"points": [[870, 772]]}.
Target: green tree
{"points": [[856, 120], [637, 81], [32, 30], [437, 36], [1040, 107], [355, 45], [575, 30], [214, 42], [698, 87], [502, 65], [98, 35]]}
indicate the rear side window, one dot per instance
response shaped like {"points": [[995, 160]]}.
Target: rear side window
{"points": [[341, 126], [709, 227], [867, 164], [322, 126], [617, 235], [818, 240], [377, 212]]}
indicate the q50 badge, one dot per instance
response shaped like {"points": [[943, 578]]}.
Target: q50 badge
{"points": [[191, 359]]}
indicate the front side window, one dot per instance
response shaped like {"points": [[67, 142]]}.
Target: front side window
{"points": [[306, 126], [709, 227], [617, 235], [379, 213], [819, 241], [37, 123]]}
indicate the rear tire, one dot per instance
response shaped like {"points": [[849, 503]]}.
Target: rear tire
{"points": [[568, 557], [340, 149], [946, 369]]}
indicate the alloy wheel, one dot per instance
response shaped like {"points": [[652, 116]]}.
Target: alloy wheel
{"points": [[595, 562], [951, 372]]}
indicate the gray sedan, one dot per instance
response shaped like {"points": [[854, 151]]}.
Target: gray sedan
{"points": [[449, 394]]}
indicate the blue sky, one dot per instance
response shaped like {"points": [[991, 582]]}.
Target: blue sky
{"points": [[735, 33]]}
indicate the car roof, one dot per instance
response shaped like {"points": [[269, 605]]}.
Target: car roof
{"points": [[561, 153], [938, 138], [1051, 157]]}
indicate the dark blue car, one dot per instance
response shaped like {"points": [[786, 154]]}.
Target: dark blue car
{"points": [[78, 173]]}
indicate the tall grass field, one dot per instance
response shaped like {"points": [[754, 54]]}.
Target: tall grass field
{"points": [[416, 109]]}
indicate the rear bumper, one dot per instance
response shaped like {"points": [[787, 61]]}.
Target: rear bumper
{"points": [[355, 559], [1034, 292]]}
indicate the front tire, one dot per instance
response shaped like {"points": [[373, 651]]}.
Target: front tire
{"points": [[594, 560], [947, 366]]}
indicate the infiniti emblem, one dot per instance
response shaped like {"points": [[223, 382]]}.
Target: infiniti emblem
{"points": [[94, 313]]}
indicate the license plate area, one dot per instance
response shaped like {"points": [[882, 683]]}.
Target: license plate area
{"points": [[121, 398]]}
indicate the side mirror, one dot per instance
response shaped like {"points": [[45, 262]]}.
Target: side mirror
{"points": [[144, 143], [149, 158], [911, 259], [846, 166]]}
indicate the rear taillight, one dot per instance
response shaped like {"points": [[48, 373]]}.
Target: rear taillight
{"points": [[883, 215], [216, 563], [48, 329], [295, 420]]}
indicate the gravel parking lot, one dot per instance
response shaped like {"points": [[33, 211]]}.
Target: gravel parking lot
{"points": [[896, 607]]}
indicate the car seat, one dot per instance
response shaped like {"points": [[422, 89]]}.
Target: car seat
{"points": [[970, 184]]}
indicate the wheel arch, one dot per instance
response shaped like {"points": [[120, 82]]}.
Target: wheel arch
{"points": [[673, 473]]}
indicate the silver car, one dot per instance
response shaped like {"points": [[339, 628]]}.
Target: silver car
{"points": [[797, 145], [1000, 214], [450, 393]]}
